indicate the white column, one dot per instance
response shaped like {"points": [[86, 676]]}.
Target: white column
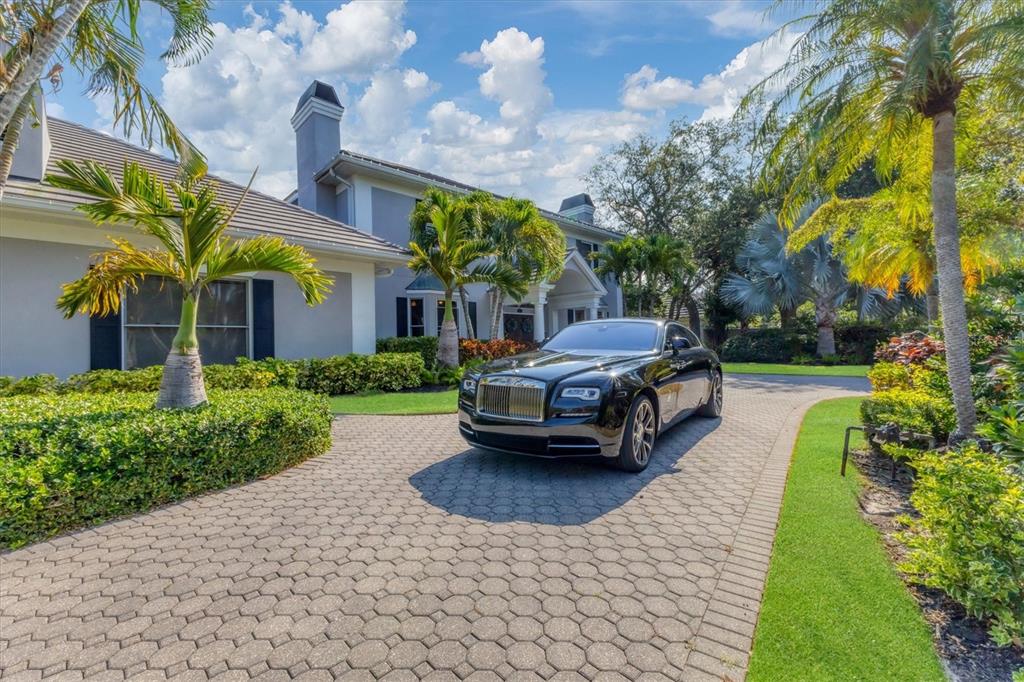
{"points": [[538, 318], [364, 313], [592, 310]]}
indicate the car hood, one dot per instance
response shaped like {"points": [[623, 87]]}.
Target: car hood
{"points": [[549, 365]]}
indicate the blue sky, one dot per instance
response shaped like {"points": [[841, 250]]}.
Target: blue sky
{"points": [[520, 98]]}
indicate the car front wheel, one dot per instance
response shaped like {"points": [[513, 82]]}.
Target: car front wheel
{"points": [[638, 436]]}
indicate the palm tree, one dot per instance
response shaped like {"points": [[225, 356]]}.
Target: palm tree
{"points": [[622, 260], [446, 247], [189, 224], [100, 40], [773, 275], [864, 79], [524, 241]]}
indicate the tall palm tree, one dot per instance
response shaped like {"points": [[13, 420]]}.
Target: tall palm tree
{"points": [[446, 247], [194, 251], [621, 259], [524, 241], [864, 79], [773, 275], [101, 41]]}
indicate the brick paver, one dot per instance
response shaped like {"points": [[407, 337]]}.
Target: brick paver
{"points": [[401, 554]]}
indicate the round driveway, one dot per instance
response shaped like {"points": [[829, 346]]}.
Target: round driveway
{"points": [[402, 554]]}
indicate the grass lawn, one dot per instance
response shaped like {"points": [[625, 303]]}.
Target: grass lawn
{"points": [[440, 402], [803, 370], [834, 608]]}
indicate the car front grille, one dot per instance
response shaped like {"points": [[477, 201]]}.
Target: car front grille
{"points": [[511, 398]]}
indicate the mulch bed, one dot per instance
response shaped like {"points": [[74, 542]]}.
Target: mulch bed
{"points": [[962, 642]]}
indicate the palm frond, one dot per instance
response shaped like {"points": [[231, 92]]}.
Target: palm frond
{"points": [[225, 258]]}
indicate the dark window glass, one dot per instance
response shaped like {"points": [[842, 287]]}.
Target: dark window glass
{"points": [[153, 312], [416, 326], [626, 336]]}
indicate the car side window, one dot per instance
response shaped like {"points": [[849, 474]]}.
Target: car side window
{"points": [[673, 331], [691, 337]]}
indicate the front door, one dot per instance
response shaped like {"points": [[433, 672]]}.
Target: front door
{"points": [[519, 327]]}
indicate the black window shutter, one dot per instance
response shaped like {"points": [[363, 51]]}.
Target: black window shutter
{"points": [[402, 316], [105, 341], [472, 317], [262, 318]]}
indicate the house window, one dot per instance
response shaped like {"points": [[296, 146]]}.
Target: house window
{"points": [[577, 314], [587, 248], [152, 313], [440, 314], [416, 325]]}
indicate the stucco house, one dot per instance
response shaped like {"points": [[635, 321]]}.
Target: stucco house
{"points": [[377, 196], [45, 243]]}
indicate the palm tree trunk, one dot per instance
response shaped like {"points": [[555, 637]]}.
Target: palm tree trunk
{"points": [[932, 305], [448, 344], [43, 50], [497, 299], [786, 316], [182, 383], [825, 319], [950, 272], [464, 299], [11, 140], [693, 313]]}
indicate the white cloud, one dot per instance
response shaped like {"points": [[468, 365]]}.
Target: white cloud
{"points": [[740, 17], [237, 102], [515, 77], [719, 93]]}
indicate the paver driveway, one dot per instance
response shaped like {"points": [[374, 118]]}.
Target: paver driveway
{"points": [[403, 555]]}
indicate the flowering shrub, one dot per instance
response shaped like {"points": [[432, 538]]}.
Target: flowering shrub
{"points": [[910, 349], [476, 349]]}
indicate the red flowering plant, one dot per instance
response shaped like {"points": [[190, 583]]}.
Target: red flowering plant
{"points": [[476, 349], [912, 348]]}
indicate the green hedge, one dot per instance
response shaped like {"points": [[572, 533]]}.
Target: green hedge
{"points": [[68, 461], [424, 345], [245, 374], [357, 373], [765, 345], [969, 538]]}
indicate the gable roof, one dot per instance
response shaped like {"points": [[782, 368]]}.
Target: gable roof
{"points": [[428, 178], [258, 214]]}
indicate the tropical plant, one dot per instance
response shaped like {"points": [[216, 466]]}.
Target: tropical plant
{"points": [[873, 78], [101, 41], [189, 223], [773, 276], [523, 240], [447, 247], [652, 270]]}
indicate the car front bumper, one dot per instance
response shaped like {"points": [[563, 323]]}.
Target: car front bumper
{"points": [[564, 436]]}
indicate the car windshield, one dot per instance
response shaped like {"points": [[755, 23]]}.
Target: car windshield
{"points": [[606, 336]]}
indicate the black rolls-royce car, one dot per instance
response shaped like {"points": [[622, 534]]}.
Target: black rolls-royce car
{"points": [[602, 387]]}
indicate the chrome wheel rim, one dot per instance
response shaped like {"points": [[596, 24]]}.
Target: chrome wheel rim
{"points": [[643, 432], [718, 393]]}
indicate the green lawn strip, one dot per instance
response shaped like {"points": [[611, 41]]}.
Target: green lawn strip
{"points": [[834, 607], [801, 370], [438, 402]]}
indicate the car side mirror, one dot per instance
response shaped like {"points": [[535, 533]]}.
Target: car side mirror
{"points": [[680, 343]]}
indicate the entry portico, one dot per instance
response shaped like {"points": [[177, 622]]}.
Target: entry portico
{"points": [[551, 306]]}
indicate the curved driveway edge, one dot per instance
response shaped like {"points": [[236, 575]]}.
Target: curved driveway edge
{"points": [[402, 554]]}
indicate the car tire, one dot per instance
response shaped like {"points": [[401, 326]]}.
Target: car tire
{"points": [[638, 435], [713, 406]]}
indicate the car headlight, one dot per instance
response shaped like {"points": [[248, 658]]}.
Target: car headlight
{"points": [[581, 392], [469, 385]]}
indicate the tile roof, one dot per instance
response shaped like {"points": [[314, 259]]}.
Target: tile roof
{"points": [[434, 178], [258, 214]]}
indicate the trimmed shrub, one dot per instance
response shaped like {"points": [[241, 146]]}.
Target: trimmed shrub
{"points": [[68, 461], [476, 349], [764, 345], [357, 373], [31, 385], [913, 410], [424, 345], [969, 538], [885, 376]]}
